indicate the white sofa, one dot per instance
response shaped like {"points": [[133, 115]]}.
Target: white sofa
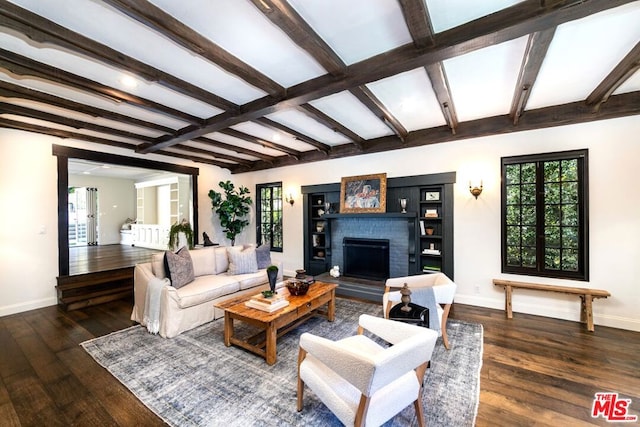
{"points": [[193, 304]]}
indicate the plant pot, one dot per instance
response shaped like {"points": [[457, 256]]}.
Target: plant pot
{"points": [[429, 231]]}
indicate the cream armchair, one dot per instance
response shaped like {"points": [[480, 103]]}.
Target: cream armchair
{"points": [[443, 289], [362, 382]]}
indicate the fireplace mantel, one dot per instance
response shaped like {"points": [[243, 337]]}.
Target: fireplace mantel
{"points": [[390, 215]]}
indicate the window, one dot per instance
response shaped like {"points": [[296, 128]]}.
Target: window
{"points": [[545, 215], [269, 203]]}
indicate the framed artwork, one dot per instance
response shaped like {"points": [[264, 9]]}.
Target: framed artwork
{"points": [[432, 195], [364, 194]]}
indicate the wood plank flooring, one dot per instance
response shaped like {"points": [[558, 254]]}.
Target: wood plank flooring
{"points": [[92, 259], [536, 371]]}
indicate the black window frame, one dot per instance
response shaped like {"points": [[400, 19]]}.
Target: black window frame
{"points": [[582, 272], [260, 238]]}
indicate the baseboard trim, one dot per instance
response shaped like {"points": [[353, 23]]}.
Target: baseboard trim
{"points": [[536, 310], [7, 310]]}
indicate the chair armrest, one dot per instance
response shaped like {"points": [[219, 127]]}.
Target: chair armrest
{"points": [[392, 331], [356, 368]]}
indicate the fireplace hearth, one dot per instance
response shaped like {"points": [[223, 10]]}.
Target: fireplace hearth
{"points": [[366, 258]]}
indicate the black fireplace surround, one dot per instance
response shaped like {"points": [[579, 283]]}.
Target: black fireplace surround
{"points": [[366, 258]]}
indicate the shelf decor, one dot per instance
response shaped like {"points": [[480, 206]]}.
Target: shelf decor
{"points": [[364, 194]]}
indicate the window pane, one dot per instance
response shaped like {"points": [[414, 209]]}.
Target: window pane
{"points": [[570, 192], [552, 215], [552, 259], [570, 215], [528, 174], [570, 170], [513, 236], [570, 237], [529, 215], [552, 237], [552, 171], [513, 215], [552, 193], [570, 260], [513, 256], [513, 174], [529, 236], [528, 194], [513, 195], [529, 257]]}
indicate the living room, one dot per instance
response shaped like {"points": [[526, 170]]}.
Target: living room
{"points": [[29, 242]]}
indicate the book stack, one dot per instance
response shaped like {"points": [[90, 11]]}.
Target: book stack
{"points": [[431, 213], [430, 269], [270, 304], [431, 252]]}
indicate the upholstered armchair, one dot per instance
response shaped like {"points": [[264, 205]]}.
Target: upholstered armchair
{"points": [[444, 290], [362, 382]]}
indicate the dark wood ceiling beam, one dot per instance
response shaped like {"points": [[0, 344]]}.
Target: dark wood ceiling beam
{"points": [[18, 110], [516, 21], [535, 52], [273, 125], [417, 18], [23, 66], [59, 133], [9, 90], [324, 119], [627, 104], [286, 17], [213, 154], [371, 101], [233, 148], [629, 65], [441, 88], [165, 24], [44, 31], [259, 141]]}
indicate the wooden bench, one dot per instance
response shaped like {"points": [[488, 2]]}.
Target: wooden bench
{"points": [[586, 295]]}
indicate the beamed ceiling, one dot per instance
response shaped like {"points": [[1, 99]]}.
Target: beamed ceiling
{"points": [[255, 84]]}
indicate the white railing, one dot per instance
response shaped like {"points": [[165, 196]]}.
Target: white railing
{"points": [[152, 236]]}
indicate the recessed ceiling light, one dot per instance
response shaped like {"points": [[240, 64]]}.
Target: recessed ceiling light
{"points": [[129, 81]]}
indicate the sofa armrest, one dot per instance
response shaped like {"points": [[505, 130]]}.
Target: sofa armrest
{"points": [[142, 274]]}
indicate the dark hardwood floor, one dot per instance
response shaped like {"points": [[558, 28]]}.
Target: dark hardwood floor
{"points": [[536, 371], [92, 259]]}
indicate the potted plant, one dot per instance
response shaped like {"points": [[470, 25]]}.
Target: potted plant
{"points": [[429, 230], [174, 234], [231, 209]]}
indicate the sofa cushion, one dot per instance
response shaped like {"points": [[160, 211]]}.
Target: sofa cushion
{"points": [[242, 261], [206, 288], [157, 265], [179, 267], [251, 280], [263, 256], [204, 261], [222, 261]]}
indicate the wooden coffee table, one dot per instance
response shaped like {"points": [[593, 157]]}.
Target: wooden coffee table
{"points": [[278, 323]]}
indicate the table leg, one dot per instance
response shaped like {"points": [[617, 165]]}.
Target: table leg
{"points": [[587, 307], [271, 335], [507, 301], [228, 328], [331, 307]]}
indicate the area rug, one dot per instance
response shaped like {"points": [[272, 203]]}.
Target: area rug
{"points": [[194, 380]]}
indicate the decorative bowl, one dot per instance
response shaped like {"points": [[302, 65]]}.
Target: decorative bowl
{"points": [[297, 287]]}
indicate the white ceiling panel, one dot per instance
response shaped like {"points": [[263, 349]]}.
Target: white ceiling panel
{"points": [[583, 53], [124, 34], [631, 85], [488, 90], [409, 97], [96, 101], [241, 29], [447, 14], [346, 109], [244, 144], [308, 126], [276, 137], [356, 29]]}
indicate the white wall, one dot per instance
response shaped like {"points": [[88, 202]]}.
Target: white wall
{"points": [[614, 212], [116, 203], [28, 175]]}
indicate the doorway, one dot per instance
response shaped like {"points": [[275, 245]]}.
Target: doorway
{"points": [[83, 216]]}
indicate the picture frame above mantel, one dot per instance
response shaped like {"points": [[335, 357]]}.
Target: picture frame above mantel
{"points": [[364, 194]]}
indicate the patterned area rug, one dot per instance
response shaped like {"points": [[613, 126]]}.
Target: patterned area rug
{"points": [[194, 380]]}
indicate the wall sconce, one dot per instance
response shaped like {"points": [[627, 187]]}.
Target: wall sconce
{"points": [[475, 190], [289, 199]]}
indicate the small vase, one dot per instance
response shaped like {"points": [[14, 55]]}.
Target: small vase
{"points": [[272, 275]]}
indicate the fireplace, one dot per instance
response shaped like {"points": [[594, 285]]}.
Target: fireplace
{"points": [[366, 258]]}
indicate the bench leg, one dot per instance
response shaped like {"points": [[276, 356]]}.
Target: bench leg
{"points": [[586, 313], [507, 301]]}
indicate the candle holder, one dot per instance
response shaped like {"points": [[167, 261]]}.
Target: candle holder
{"points": [[403, 205]]}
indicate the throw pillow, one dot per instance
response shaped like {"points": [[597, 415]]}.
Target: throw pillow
{"points": [[242, 261], [179, 267], [263, 256]]}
